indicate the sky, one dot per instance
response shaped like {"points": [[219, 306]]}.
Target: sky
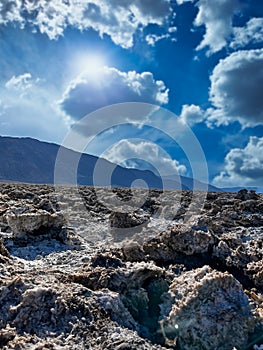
{"points": [[199, 62]]}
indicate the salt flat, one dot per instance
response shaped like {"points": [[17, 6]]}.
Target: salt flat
{"points": [[100, 268]]}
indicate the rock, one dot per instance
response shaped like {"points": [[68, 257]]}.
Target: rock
{"points": [[116, 279], [6, 335], [105, 260], [254, 271], [244, 194], [112, 303], [151, 205], [250, 205], [3, 208], [3, 251], [31, 222], [131, 293], [40, 223], [206, 309], [222, 250], [125, 226], [10, 295], [239, 247], [45, 204], [34, 309], [128, 220], [148, 292], [188, 239], [133, 252]]}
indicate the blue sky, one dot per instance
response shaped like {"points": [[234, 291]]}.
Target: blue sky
{"points": [[202, 60]]}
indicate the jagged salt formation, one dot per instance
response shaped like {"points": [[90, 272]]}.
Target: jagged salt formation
{"points": [[69, 279]]}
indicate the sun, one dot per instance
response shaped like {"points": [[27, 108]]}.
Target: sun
{"points": [[89, 63]]}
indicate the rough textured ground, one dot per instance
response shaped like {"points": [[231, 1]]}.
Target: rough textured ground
{"points": [[76, 273]]}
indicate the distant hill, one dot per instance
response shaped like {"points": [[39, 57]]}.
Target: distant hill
{"points": [[191, 183], [236, 189], [32, 161]]}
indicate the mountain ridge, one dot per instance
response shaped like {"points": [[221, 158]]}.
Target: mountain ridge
{"points": [[28, 160]]}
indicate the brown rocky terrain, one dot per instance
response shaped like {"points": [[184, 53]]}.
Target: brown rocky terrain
{"points": [[76, 273]]}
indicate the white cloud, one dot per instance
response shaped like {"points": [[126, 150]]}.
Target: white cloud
{"points": [[192, 114], [144, 150], [116, 18], [236, 89], [243, 166], [86, 93], [172, 29], [180, 2], [152, 39], [251, 33], [28, 109], [10, 11], [21, 82], [216, 15]]}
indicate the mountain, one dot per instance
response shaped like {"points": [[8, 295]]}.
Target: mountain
{"points": [[31, 161], [191, 183]]}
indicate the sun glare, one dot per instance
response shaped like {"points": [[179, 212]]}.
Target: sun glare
{"points": [[89, 64]]}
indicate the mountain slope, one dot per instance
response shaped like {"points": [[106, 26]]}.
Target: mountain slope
{"points": [[32, 161]]}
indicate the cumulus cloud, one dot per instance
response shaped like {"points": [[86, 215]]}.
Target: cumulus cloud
{"points": [[125, 150], [216, 16], [251, 33], [21, 82], [243, 166], [86, 93], [192, 114], [236, 89], [27, 108], [152, 39], [116, 18], [10, 11]]}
